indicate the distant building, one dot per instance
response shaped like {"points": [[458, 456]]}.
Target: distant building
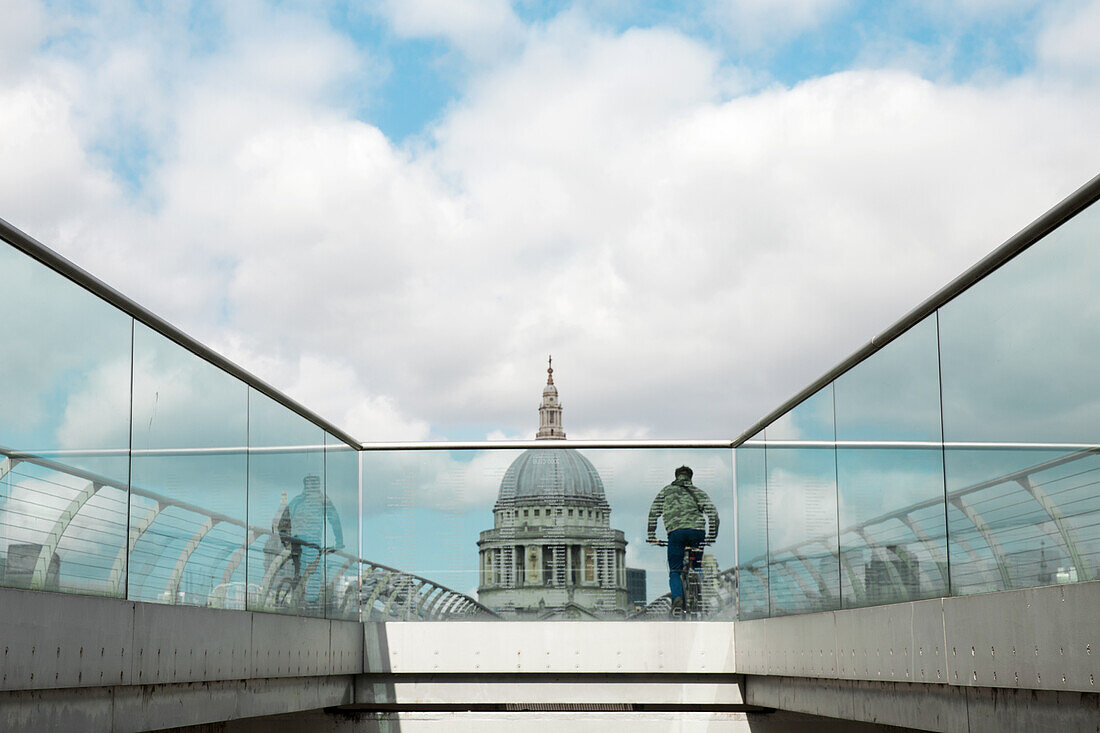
{"points": [[552, 552], [635, 588], [892, 576]]}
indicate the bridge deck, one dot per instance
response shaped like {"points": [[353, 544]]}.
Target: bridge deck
{"points": [[1018, 660]]}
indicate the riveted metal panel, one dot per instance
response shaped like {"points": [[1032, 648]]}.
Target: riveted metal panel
{"points": [[624, 647], [186, 644], [289, 646], [1040, 638], [802, 645], [928, 652], [346, 647], [875, 643], [57, 640], [751, 646]]}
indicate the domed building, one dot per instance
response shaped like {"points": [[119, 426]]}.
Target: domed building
{"points": [[552, 552]]}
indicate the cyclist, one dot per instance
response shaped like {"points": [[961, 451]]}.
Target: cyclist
{"points": [[302, 530], [687, 512]]}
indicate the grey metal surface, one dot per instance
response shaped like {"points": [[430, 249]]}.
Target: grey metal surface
{"points": [[346, 647], [928, 650], [875, 644], [288, 646], [140, 708], [927, 707], [1040, 638], [802, 645], [501, 647], [50, 640], [999, 711], [791, 661], [182, 644], [153, 707], [72, 709], [750, 643], [931, 707]]}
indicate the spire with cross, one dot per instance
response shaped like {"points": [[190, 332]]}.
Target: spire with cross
{"points": [[550, 427]]}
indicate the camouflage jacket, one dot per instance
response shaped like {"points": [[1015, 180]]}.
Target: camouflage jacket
{"points": [[684, 506]]}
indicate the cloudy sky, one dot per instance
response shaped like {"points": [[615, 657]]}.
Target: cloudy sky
{"points": [[394, 211]]}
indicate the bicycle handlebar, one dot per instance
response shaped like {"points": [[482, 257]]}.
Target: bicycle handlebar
{"points": [[314, 545], [664, 543]]}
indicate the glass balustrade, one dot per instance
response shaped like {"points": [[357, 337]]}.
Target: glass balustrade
{"points": [[549, 533], [961, 457]]}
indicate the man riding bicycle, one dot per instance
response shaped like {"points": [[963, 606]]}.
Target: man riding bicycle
{"points": [[302, 531], [686, 510]]}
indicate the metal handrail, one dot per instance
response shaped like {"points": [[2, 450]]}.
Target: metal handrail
{"points": [[957, 493], [468, 606]]}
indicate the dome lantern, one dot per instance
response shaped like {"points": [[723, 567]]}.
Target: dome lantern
{"points": [[550, 427]]}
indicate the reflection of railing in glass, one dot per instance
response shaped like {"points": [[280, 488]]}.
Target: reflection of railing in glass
{"points": [[78, 509], [1025, 527]]}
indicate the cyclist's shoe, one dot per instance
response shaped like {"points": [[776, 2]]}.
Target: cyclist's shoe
{"points": [[678, 606]]}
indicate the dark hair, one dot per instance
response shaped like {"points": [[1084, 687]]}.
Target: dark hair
{"points": [[684, 469]]}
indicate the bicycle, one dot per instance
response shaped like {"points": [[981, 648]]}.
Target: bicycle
{"points": [[691, 580], [289, 590]]}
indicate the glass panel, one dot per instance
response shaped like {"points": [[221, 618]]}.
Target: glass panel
{"points": [[342, 529], [286, 508], [1019, 354], [803, 566], [1014, 527], [891, 500], [188, 500], [65, 407], [540, 534], [752, 530], [894, 394], [893, 541]]}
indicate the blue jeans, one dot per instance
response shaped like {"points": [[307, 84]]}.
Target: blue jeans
{"points": [[678, 539]]}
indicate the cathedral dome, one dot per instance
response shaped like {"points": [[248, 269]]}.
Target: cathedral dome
{"points": [[552, 475]]}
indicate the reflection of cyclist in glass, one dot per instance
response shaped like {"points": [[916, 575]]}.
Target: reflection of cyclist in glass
{"points": [[302, 530], [686, 510]]}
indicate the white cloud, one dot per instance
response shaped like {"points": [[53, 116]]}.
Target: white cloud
{"points": [[1068, 43], [756, 23], [20, 33], [479, 28], [690, 258]]}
